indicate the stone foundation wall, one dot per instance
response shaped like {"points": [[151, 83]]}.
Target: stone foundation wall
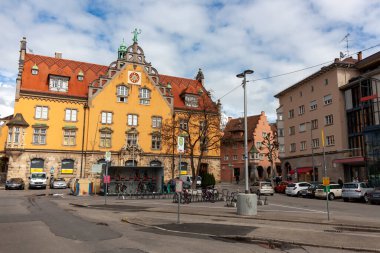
{"points": [[19, 163]]}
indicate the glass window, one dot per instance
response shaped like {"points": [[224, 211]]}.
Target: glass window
{"points": [[69, 137], [67, 166], [191, 101], [314, 124], [10, 134], [41, 112], [70, 115], [226, 158], [58, 83], [330, 140], [303, 145], [329, 120], [156, 141], [105, 139], [183, 124], [302, 127], [122, 93], [156, 122], [234, 157], [313, 105], [292, 130], [144, 96], [132, 120], [106, 117], [327, 99], [292, 147], [291, 114], [39, 136], [132, 139], [301, 109], [316, 143]]}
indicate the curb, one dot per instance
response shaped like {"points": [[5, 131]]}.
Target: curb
{"points": [[270, 242]]}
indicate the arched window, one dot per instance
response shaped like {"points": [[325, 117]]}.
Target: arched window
{"points": [[260, 171], [67, 166], [37, 165]]}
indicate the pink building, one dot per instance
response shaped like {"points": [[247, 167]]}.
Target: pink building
{"points": [[232, 149]]}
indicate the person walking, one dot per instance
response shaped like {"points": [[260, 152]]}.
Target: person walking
{"points": [[237, 178], [340, 181]]}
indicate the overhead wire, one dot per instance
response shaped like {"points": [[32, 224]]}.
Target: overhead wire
{"points": [[292, 72]]}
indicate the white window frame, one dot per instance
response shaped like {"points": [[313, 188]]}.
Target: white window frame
{"points": [[132, 139], [191, 100], [105, 139], [330, 140], [69, 137], [71, 115], [301, 109], [41, 112], [302, 127], [133, 119], [314, 124], [234, 157], [313, 105], [58, 83], [291, 114], [329, 120], [156, 141], [303, 145], [292, 147], [144, 94], [315, 143], [106, 118], [39, 136]]}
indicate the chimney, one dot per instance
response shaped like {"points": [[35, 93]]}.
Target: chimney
{"points": [[58, 55], [360, 56]]}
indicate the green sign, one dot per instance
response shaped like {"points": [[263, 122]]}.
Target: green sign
{"points": [[326, 188]]}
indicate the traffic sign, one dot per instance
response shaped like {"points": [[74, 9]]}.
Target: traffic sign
{"points": [[107, 156], [178, 185], [326, 188], [326, 181], [181, 144]]}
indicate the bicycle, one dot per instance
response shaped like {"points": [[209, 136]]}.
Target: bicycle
{"points": [[121, 189], [209, 194], [185, 197]]}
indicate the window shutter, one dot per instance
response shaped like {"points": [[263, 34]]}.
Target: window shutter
{"points": [[67, 117], [129, 120], [135, 120], [109, 118], [104, 117]]}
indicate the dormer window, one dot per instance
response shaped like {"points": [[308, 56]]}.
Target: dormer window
{"points": [[191, 101], [35, 69], [80, 75], [122, 93], [58, 83]]}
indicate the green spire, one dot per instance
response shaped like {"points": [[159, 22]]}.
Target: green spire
{"points": [[122, 50]]}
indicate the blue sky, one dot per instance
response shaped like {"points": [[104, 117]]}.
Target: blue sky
{"points": [[179, 37]]}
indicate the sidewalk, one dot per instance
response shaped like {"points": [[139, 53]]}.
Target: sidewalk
{"points": [[216, 220]]}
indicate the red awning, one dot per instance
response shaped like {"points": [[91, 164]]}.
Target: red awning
{"points": [[304, 170], [350, 160]]}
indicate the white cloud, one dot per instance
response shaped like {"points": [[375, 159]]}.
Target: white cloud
{"points": [[223, 38]]}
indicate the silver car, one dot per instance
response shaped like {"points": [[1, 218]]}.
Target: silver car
{"points": [[59, 183], [262, 187], [356, 190]]}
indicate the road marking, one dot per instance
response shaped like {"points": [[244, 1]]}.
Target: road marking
{"points": [[299, 208]]}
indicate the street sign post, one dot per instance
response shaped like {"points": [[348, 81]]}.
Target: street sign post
{"points": [[178, 190], [107, 157]]}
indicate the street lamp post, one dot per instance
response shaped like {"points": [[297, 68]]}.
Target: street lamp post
{"points": [[312, 148], [243, 75]]}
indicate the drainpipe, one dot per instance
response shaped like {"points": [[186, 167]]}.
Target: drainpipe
{"points": [[85, 107]]}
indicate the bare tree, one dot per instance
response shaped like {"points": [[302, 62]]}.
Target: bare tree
{"points": [[201, 128], [270, 146]]}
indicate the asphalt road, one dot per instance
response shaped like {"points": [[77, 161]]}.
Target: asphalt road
{"points": [[36, 221]]}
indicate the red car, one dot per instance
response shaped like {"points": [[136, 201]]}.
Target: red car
{"points": [[281, 187]]}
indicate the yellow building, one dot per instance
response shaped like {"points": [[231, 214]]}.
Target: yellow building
{"points": [[68, 114]]}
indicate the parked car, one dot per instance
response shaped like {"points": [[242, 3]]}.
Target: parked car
{"points": [[335, 192], [262, 187], [374, 196], [310, 191], [15, 183], [59, 183], [356, 190], [280, 188], [294, 189]]}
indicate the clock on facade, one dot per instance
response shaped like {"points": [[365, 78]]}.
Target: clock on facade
{"points": [[134, 77]]}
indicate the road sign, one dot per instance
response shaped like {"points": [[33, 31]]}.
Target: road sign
{"points": [[107, 156], [326, 181], [178, 186], [326, 188], [181, 144], [107, 179]]}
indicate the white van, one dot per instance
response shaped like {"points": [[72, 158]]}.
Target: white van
{"points": [[38, 180]]}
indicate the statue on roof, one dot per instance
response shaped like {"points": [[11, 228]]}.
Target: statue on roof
{"points": [[200, 75], [135, 33]]}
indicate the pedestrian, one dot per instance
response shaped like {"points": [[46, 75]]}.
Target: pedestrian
{"points": [[340, 181], [237, 179]]}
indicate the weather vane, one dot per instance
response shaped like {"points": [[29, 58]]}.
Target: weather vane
{"points": [[135, 33]]}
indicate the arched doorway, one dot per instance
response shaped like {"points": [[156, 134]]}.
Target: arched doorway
{"points": [[269, 171], [155, 163], [260, 172]]}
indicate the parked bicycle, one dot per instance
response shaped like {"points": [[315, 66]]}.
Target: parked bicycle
{"points": [[185, 197], [210, 194]]}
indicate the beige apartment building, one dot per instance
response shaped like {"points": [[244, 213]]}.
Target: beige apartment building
{"points": [[308, 108]]}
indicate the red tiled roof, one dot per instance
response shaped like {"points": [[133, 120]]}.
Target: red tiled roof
{"points": [[182, 86], [62, 67], [237, 125]]}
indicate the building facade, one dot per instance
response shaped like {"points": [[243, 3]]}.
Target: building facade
{"points": [[68, 113], [312, 123], [363, 120], [232, 149]]}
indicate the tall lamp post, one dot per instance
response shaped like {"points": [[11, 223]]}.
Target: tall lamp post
{"points": [[243, 75]]}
